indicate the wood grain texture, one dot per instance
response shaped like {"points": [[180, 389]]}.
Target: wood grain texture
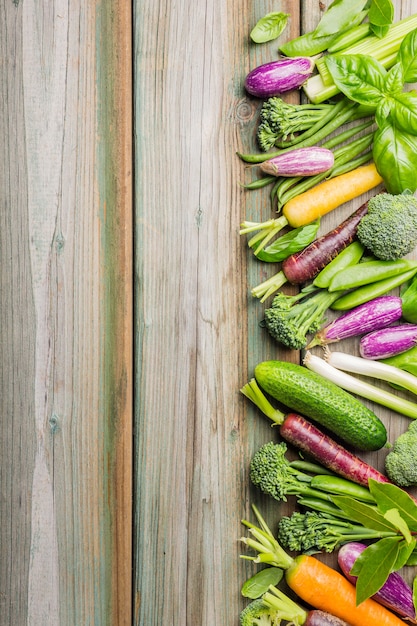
{"points": [[66, 302], [197, 334]]}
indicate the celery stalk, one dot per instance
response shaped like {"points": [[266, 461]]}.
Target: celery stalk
{"points": [[320, 87]]}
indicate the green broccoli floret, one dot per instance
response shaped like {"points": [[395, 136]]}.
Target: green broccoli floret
{"points": [[401, 461], [389, 229], [290, 320], [275, 475], [256, 614], [280, 121]]}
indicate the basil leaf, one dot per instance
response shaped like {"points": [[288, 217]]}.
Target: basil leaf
{"points": [[407, 56], [381, 13], [404, 113], [394, 80], [364, 514], [293, 241], [269, 27], [379, 31], [395, 156], [376, 564], [390, 496], [359, 77], [338, 16], [393, 516], [258, 584]]}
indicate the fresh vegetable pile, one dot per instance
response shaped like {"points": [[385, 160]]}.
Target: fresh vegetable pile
{"points": [[354, 132]]}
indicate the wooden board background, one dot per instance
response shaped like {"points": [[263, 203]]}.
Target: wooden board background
{"points": [[109, 515]]}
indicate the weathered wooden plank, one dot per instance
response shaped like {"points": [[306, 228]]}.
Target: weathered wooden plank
{"points": [[197, 329], [66, 313]]}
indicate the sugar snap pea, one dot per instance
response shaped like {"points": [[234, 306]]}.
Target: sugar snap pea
{"points": [[347, 257], [369, 272]]}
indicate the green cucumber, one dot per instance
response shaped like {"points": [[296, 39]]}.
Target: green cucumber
{"points": [[312, 395]]}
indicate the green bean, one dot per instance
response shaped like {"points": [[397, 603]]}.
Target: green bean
{"points": [[369, 292], [260, 182], [349, 256], [369, 272], [341, 113]]}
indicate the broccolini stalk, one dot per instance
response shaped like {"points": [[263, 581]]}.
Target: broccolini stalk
{"points": [[312, 531]]}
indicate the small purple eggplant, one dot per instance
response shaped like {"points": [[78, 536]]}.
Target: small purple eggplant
{"points": [[370, 316], [387, 342], [395, 594], [299, 162], [276, 77]]}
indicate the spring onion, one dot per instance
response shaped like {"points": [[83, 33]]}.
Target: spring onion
{"points": [[360, 388]]}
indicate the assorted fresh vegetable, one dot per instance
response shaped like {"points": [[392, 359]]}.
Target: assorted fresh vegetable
{"points": [[356, 133]]}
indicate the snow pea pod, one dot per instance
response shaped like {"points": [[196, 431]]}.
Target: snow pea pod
{"points": [[351, 255], [369, 272], [369, 292], [337, 485]]}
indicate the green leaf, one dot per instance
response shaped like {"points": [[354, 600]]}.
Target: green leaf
{"points": [[390, 496], [415, 594], [338, 16], [293, 241], [364, 514], [393, 516], [269, 27], [395, 157], [404, 554], [409, 303], [376, 563], [379, 31], [258, 584], [360, 77], [381, 12], [407, 56], [404, 112], [394, 80]]}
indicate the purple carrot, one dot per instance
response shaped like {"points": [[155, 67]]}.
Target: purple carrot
{"points": [[387, 342], [395, 594], [299, 432], [320, 618], [373, 315], [306, 264]]}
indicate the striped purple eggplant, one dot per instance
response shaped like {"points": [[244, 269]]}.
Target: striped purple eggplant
{"points": [[370, 316], [387, 342], [300, 162], [275, 77]]}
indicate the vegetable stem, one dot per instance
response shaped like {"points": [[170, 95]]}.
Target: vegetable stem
{"points": [[375, 369], [252, 391], [358, 387]]}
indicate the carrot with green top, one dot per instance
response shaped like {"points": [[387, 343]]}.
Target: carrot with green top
{"points": [[328, 195], [315, 582]]}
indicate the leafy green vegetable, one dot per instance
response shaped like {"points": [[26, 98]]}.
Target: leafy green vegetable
{"points": [[338, 16], [390, 496], [394, 152], [362, 513], [381, 15], [259, 583], [407, 56], [374, 565], [269, 27]]}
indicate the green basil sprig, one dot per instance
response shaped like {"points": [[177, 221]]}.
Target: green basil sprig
{"points": [[269, 27], [363, 79]]}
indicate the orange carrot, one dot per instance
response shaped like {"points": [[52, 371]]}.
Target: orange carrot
{"points": [[328, 195], [315, 582], [326, 589]]}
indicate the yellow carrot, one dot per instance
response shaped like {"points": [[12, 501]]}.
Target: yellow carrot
{"points": [[328, 195]]}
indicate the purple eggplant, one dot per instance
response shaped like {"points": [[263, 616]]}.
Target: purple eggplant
{"points": [[275, 77], [395, 594], [370, 316], [387, 342], [300, 162]]}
